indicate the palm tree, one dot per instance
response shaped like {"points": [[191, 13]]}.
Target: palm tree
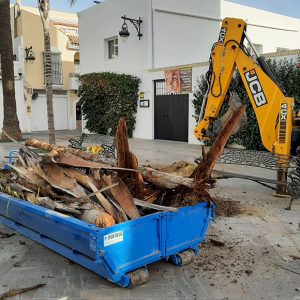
{"points": [[10, 120], [44, 8]]}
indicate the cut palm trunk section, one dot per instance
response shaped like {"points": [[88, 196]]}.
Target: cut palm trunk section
{"points": [[205, 167], [166, 180], [97, 216], [125, 158]]}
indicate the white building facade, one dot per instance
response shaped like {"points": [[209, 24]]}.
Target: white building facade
{"points": [[24, 121], [177, 35]]}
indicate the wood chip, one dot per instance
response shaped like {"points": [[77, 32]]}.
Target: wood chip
{"points": [[12, 293]]}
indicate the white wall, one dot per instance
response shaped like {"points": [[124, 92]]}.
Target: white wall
{"points": [[104, 21], [21, 105], [19, 89], [174, 32], [39, 117], [269, 38], [144, 127], [184, 31]]}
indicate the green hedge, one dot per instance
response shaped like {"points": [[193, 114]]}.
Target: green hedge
{"points": [[288, 75], [105, 98]]}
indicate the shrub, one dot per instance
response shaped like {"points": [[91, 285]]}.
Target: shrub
{"points": [[287, 74], [105, 98]]}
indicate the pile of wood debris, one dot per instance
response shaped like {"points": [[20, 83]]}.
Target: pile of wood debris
{"points": [[99, 190]]}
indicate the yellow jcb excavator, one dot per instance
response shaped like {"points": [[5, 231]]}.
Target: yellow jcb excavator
{"points": [[278, 123]]}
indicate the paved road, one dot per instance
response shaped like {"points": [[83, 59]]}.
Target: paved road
{"points": [[255, 262]]}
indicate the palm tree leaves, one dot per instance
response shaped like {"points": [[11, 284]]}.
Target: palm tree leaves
{"points": [[44, 8]]}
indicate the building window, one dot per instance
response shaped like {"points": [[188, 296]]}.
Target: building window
{"points": [[57, 75], [113, 48]]}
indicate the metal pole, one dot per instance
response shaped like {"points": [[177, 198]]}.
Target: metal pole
{"points": [[250, 43], [281, 177]]}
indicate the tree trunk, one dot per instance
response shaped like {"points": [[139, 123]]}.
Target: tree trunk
{"points": [[125, 158], [10, 120], [165, 180], [44, 12], [204, 169]]}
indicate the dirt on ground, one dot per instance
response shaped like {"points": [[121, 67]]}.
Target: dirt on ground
{"points": [[227, 258], [227, 207]]}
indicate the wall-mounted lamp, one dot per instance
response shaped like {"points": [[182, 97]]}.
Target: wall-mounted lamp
{"points": [[20, 72], [29, 54], [124, 33]]}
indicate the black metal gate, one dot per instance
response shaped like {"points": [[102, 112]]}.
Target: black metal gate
{"points": [[171, 112]]}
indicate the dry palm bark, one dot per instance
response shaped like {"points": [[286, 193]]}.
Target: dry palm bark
{"points": [[67, 187], [105, 203], [204, 169], [65, 158], [122, 195], [83, 179], [30, 176], [125, 158], [123, 188], [161, 179], [58, 151], [70, 160], [55, 176]]}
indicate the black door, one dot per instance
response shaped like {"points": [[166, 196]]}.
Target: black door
{"points": [[171, 112]]}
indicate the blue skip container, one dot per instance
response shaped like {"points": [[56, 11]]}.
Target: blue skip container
{"points": [[119, 253]]}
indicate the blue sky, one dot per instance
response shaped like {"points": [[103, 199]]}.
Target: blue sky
{"points": [[286, 7]]}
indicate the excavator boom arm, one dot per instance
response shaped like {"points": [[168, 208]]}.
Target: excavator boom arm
{"points": [[274, 111]]}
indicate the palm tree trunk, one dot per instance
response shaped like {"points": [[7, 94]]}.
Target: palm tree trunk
{"points": [[48, 80], [10, 120], [44, 7]]}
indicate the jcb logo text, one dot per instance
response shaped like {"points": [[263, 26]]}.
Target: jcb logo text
{"points": [[255, 88]]}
